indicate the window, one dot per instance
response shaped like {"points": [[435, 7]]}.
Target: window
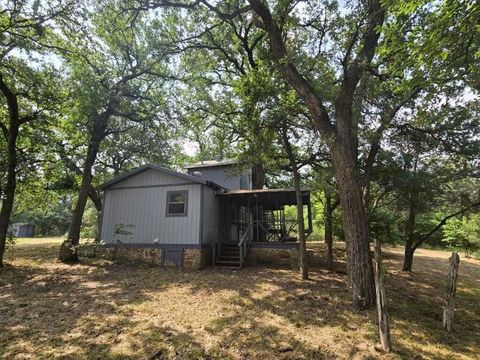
{"points": [[177, 203]]}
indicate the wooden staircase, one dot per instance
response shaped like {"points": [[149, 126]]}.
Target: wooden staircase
{"points": [[228, 256]]}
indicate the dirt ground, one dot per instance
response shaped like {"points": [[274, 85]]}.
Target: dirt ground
{"points": [[104, 310]]}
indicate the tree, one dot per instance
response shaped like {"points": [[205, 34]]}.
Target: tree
{"points": [[433, 150], [228, 84], [295, 169], [115, 76], [339, 137], [463, 233], [27, 87]]}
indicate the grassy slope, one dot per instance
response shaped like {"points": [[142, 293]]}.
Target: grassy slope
{"points": [[102, 310]]}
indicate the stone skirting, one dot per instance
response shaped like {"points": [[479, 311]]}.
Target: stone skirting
{"points": [[270, 255], [197, 258], [191, 258]]}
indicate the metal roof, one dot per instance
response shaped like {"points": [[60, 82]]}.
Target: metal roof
{"points": [[163, 170], [261, 191], [212, 163], [268, 198]]}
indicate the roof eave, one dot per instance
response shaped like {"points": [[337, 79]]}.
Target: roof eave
{"points": [[162, 169]]}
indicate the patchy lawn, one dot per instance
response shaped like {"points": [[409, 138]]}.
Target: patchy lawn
{"points": [[104, 310]]}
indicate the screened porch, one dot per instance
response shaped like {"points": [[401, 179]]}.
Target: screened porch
{"points": [[266, 216]]}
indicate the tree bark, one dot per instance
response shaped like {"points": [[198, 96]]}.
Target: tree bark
{"points": [[301, 226], [258, 176], [359, 261], [7, 203], [11, 133], [328, 222], [409, 234], [303, 256], [68, 251]]}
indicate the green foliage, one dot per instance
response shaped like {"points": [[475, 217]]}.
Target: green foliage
{"points": [[90, 223], [385, 225], [463, 233]]}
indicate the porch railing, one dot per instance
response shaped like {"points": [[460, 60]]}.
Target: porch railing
{"points": [[242, 244], [215, 252]]}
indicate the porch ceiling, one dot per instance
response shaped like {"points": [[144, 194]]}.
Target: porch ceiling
{"points": [[271, 198]]}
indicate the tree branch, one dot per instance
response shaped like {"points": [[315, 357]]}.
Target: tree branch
{"points": [[289, 71], [443, 222]]}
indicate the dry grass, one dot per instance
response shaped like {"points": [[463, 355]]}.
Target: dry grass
{"points": [[103, 310]]}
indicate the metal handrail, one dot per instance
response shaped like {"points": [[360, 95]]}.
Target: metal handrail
{"points": [[215, 251], [242, 244]]}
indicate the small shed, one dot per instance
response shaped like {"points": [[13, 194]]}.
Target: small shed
{"points": [[23, 230]]}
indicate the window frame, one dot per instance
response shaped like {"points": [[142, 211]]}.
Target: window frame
{"points": [[168, 202]]}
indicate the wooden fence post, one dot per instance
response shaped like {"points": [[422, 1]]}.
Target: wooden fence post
{"points": [[383, 325], [449, 308]]}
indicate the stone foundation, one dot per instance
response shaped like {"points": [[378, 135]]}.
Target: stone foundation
{"points": [[274, 256], [196, 259], [192, 259], [96, 251]]}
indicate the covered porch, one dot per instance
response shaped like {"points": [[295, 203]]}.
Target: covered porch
{"points": [[259, 219], [259, 216], [258, 222]]}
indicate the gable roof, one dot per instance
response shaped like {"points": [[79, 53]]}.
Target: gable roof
{"points": [[162, 169]]}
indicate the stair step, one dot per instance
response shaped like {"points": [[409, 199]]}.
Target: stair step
{"points": [[228, 257], [233, 267], [228, 262]]}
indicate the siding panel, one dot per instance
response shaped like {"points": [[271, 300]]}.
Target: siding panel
{"points": [[211, 216], [145, 209]]}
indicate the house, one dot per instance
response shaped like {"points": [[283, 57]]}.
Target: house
{"points": [[209, 215], [23, 230]]}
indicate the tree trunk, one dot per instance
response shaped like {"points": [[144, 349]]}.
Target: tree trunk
{"points": [[258, 176], [11, 133], [301, 226], [382, 310], [68, 251], [341, 138], [7, 203], [408, 260], [449, 309], [328, 219], [359, 261], [303, 256], [409, 234]]}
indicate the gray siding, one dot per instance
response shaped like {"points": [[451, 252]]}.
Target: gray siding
{"points": [[150, 177], [145, 209], [224, 176], [211, 216]]}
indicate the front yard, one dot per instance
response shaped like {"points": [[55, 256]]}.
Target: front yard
{"points": [[103, 310]]}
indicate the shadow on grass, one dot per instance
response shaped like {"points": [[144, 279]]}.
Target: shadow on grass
{"points": [[105, 310], [89, 310], [416, 308]]}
